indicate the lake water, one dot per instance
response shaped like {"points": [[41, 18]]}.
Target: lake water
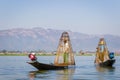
{"points": [[16, 68]]}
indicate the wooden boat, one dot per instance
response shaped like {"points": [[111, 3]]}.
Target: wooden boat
{"points": [[42, 66], [109, 62], [103, 57], [64, 56]]}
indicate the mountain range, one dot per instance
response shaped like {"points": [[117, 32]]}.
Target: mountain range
{"points": [[20, 39]]}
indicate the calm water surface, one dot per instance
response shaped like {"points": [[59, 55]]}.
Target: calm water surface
{"points": [[16, 68]]}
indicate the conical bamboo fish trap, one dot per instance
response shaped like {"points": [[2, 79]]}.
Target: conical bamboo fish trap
{"points": [[64, 54], [102, 51]]}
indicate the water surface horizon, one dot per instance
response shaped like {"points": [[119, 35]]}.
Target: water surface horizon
{"points": [[16, 68]]}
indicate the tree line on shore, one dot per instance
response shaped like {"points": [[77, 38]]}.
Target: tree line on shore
{"points": [[44, 52]]}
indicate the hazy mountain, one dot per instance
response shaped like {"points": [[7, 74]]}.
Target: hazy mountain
{"points": [[48, 39]]}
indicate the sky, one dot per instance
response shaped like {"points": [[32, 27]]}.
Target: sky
{"points": [[84, 16]]}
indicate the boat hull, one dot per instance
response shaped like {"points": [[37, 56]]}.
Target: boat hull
{"points": [[107, 63], [42, 66]]}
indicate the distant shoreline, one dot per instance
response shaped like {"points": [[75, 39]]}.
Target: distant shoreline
{"points": [[16, 54]]}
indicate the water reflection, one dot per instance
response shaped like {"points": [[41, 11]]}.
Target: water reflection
{"points": [[37, 74], [105, 69], [65, 74], [31, 75], [103, 72]]}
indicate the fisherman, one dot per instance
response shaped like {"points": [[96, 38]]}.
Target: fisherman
{"points": [[65, 55], [32, 56], [111, 55]]}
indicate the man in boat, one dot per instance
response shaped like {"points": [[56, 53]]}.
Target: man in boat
{"points": [[66, 48], [64, 53], [32, 56], [111, 55]]}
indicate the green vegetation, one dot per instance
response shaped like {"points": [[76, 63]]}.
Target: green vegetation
{"points": [[13, 54], [84, 55], [46, 54], [23, 54], [117, 54]]}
